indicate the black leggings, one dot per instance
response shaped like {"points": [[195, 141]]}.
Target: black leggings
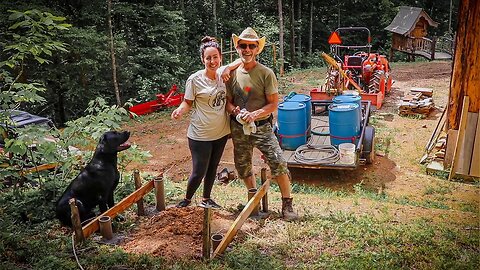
{"points": [[205, 158]]}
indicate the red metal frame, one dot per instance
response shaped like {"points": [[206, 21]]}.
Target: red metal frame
{"points": [[170, 99]]}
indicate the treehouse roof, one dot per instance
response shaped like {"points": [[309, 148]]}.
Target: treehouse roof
{"points": [[407, 18]]}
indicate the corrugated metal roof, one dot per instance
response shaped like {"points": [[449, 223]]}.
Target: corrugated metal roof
{"points": [[406, 19]]}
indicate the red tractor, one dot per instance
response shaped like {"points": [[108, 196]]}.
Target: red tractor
{"points": [[354, 67]]}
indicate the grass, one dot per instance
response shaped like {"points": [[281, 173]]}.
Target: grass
{"points": [[360, 229], [325, 238]]}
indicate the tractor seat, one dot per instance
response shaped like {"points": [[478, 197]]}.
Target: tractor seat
{"points": [[353, 61]]}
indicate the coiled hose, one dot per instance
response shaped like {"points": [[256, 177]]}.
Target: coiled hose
{"points": [[332, 154]]}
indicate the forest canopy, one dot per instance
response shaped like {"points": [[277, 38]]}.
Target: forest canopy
{"points": [[155, 43]]}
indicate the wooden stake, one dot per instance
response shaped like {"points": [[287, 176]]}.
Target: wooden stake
{"points": [[263, 178], [160, 194], [76, 223], [207, 217], [138, 184], [251, 193], [237, 224]]}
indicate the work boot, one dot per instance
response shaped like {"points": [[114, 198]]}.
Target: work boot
{"points": [[287, 210]]}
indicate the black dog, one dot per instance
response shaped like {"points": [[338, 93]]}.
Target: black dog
{"points": [[95, 184]]}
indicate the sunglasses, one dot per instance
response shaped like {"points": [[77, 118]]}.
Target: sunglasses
{"points": [[243, 46]]}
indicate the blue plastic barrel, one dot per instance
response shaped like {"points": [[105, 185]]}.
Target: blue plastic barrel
{"points": [[291, 125], [305, 99], [343, 123], [350, 98]]}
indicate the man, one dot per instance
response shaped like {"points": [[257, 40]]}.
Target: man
{"points": [[252, 97]]}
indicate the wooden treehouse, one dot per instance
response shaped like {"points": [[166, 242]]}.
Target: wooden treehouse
{"points": [[410, 35]]}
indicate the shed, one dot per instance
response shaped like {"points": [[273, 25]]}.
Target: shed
{"points": [[410, 34]]}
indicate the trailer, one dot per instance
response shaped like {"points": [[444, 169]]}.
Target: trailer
{"points": [[319, 153]]}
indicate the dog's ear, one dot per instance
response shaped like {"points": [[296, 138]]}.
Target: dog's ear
{"points": [[101, 143]]}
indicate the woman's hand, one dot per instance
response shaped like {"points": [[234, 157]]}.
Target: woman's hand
{"points": [[177, 113]]}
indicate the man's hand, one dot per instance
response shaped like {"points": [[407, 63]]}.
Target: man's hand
{"points": [[226, 74]]}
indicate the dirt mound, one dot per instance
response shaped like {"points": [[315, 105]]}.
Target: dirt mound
{"points": [[177, 232]]}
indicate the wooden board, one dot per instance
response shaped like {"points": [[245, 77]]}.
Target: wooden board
{"points": [[423, 91], [466, 148], [138, 194], [460, 137], [451, 145], [237, 224], [475, 164]]}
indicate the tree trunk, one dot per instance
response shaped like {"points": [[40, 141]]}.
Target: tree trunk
{"points": [[310, 33], [112, 54], [299, 29], [465, 74], [214, 10], [280, 37], [292, 33]]}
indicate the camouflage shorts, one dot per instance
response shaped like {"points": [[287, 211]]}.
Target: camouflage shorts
{"points": [[265, 141]]}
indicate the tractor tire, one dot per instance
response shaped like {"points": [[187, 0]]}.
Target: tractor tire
{"points": [[377, 82], [368, 149]]}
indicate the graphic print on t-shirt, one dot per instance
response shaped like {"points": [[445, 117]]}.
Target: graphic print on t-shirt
{"points": [[217, 100]]}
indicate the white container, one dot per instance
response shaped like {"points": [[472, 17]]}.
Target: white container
{"points": [[347, 153]]}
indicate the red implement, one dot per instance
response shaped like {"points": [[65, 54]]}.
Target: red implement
{"points": [[170, 99]]}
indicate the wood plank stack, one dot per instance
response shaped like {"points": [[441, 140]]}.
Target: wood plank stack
{"points": [[417, 102]]}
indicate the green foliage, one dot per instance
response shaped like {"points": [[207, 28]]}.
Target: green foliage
{"points": [[32, 37]]}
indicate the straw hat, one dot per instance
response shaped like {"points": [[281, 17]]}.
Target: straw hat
{"points": [[249, 35]]}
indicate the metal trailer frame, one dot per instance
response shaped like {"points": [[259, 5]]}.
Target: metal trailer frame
{"points": [[362, 154]]}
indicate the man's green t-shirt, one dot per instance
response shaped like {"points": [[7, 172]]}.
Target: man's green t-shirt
{"points": [[249, 89]]}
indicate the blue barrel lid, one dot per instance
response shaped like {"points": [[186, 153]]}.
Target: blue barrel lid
{"points": [[299, 98], [346, 99], [342, 107], [290, 105]]}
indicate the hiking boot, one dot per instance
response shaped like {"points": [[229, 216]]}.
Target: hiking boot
{"points": [[209, 203], [287, 209], [184, 203]]}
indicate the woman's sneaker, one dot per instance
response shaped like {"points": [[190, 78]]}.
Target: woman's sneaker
{"points": [[209, 203], [184, 203]]}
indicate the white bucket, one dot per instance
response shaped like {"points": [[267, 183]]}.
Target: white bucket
{"points": [[347, 153]]}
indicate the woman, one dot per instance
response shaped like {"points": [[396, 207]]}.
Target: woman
{"points": [[209, 127]]}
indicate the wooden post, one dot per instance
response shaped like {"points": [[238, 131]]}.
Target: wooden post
{"points": [[76, 223], [106, 227], [251, 193], [138, 184], [432, 48], [207, 217], [231, 49], [274, 52], [160, 194], [263, 178]]}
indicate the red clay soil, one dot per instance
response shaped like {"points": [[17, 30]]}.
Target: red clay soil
{"points": [[177, 232]]}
